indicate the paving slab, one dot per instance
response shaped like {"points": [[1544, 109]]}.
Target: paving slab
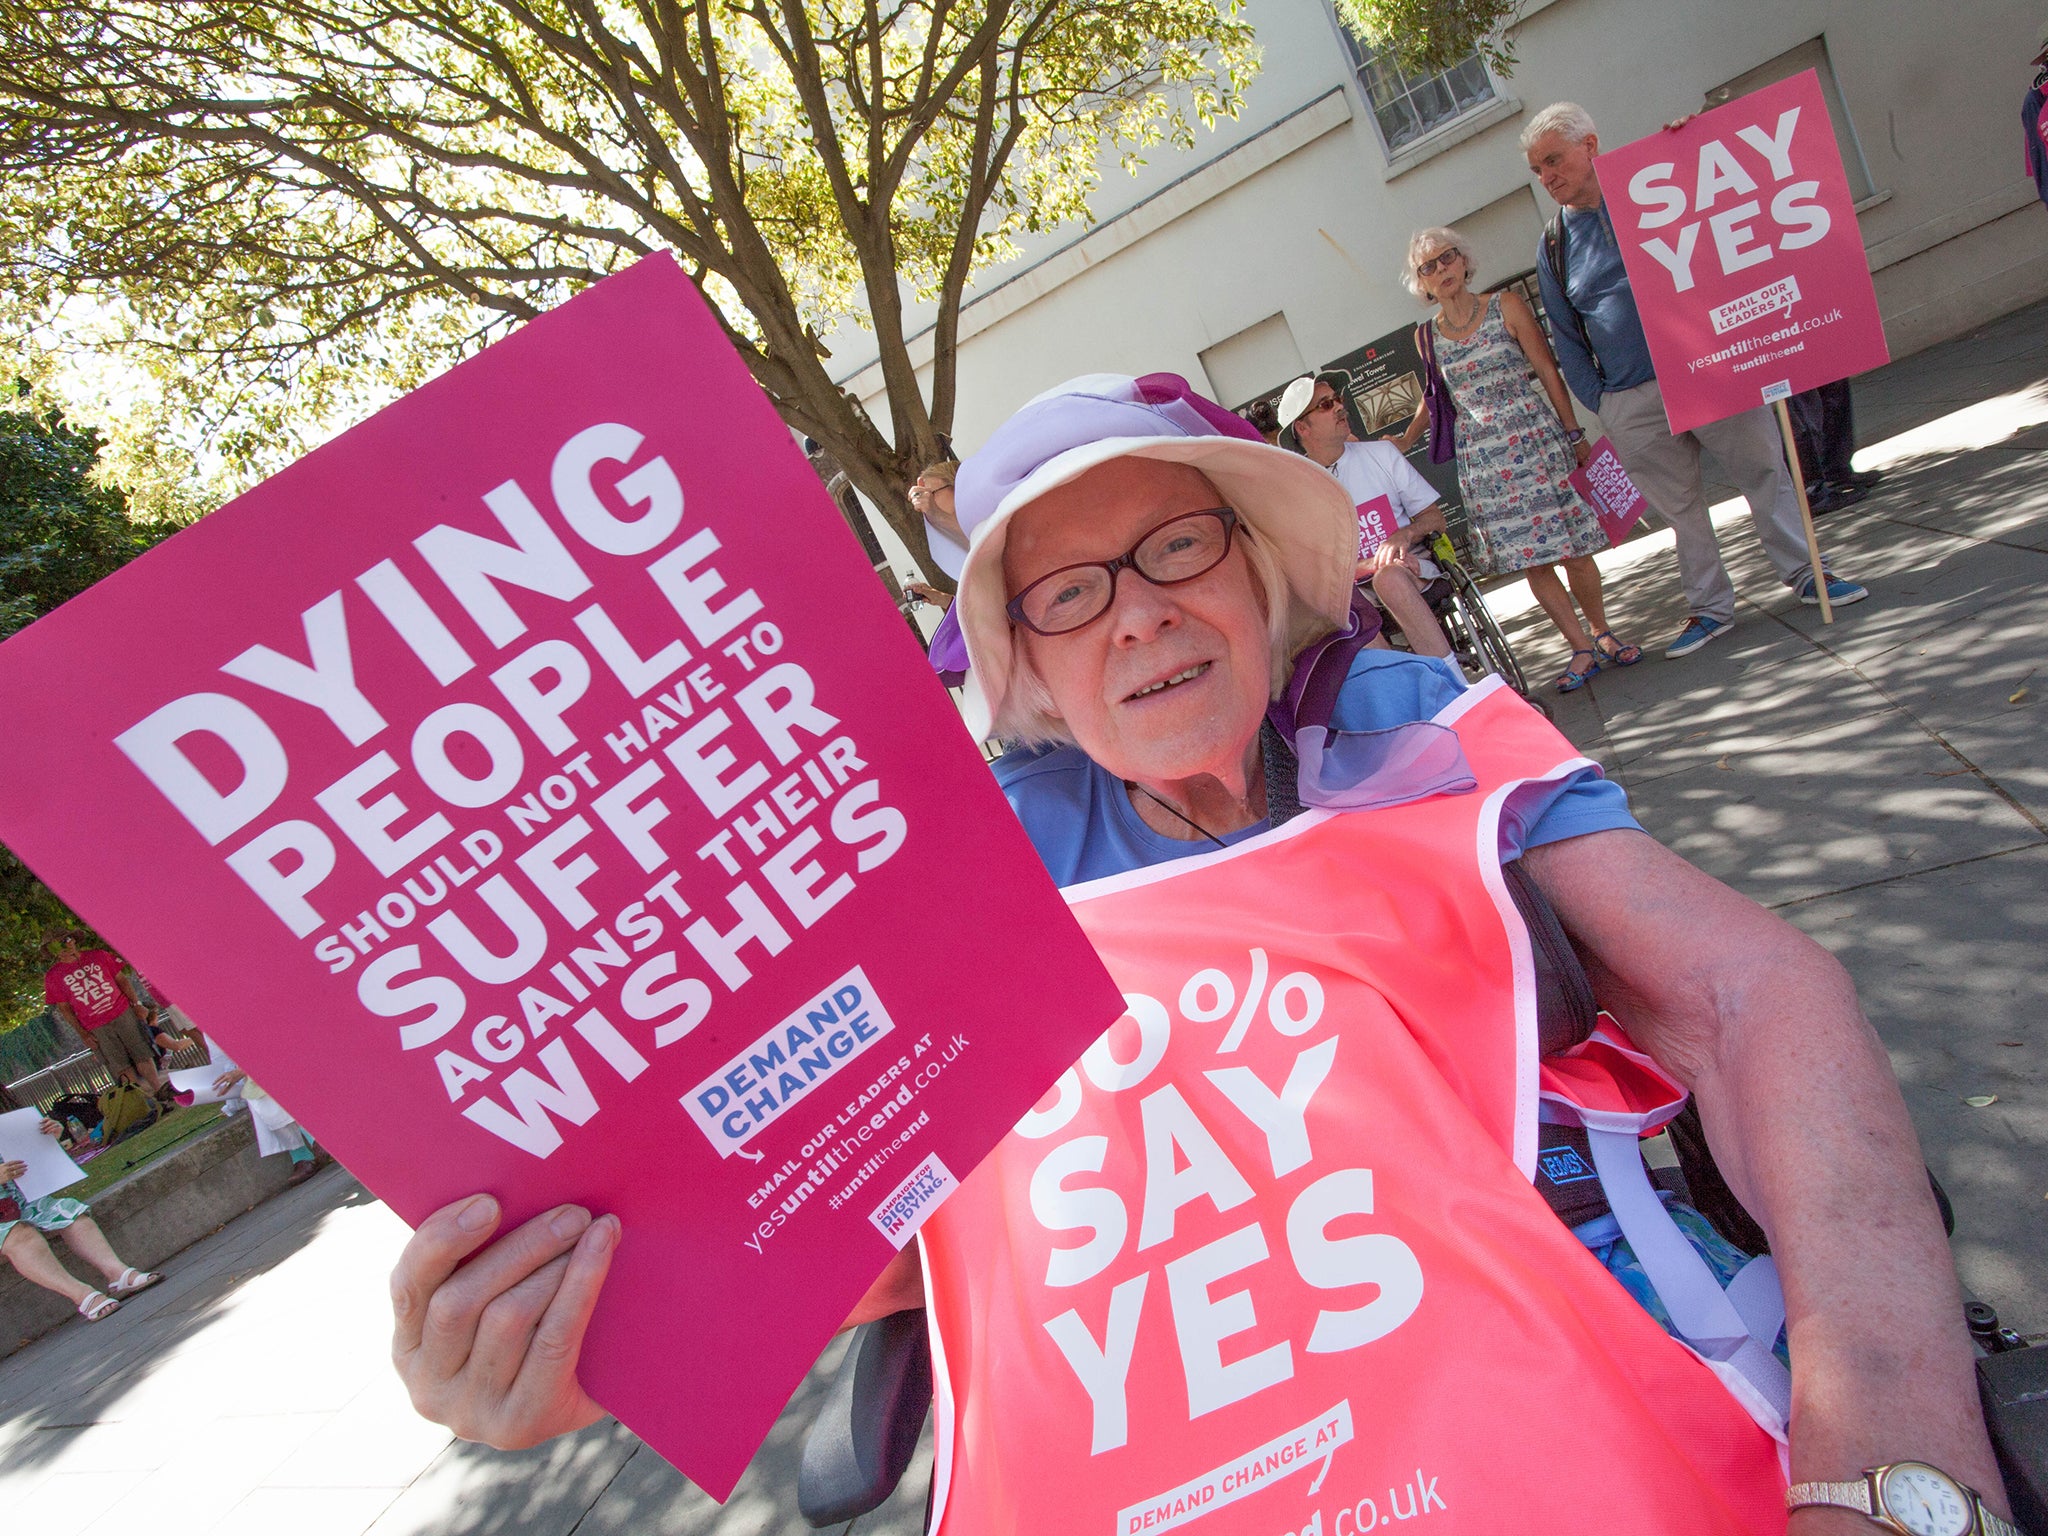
{"points": [[1868, 800], [474, 1489]]}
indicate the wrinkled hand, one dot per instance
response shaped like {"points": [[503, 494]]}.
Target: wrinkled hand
{"points": [[10, 1171], [1583, 452], [490, 1348]]}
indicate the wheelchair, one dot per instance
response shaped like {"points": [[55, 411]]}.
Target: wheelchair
{"points": [[1457, 604], [867, 1429]]}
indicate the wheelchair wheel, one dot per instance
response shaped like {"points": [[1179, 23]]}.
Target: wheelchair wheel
{"points": [[1481, 646]]}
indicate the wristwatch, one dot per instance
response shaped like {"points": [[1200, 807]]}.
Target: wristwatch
{"points": [[1575, 435], [1910, 1497]]}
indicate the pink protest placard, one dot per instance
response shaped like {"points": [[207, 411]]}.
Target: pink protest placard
{"points": [[536, 792], [1376, 523], [1609, 491], [1743, 253]]}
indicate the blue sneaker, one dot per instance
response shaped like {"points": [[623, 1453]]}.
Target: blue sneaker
{"points": [[1841, 593], [1699, 629]]}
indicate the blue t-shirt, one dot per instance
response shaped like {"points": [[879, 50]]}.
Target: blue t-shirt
{"points": [[1598, 288], [2034, 119], [1081, 820]]}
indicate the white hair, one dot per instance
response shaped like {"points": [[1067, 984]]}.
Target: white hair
{"points": [[1028, 717], [1441, 238], [1565, 117]]}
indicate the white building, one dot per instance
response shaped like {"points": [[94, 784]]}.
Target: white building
{"points": [[1275, 245]]}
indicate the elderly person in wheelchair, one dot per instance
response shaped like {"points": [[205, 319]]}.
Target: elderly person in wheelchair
{"points": [[1309, 1260]]}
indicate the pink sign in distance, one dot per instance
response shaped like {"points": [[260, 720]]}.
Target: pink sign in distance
{"points": [[1614, 498], [1740, 238]]}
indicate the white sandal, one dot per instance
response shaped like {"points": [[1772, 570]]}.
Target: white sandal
{"points": [[97, 1305], [133, 1280]]}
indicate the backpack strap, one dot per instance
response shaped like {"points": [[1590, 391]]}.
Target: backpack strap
{"points": [[1553, 257]]}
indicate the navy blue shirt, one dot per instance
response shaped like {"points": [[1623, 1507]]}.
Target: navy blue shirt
{"points": [[1081, 820], [2034, 117], [1596, 284]]}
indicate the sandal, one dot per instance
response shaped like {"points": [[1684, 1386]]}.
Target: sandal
{"points": [[133, 1280], [1621, 655], [96, 1306], [1576, 677]]}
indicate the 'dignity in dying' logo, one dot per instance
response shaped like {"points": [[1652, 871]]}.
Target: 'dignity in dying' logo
{"points": [[778, 1071], [905, 1207]]}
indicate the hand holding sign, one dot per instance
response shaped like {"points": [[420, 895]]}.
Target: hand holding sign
{"points": [[1607, 488], [530, 808], [43, 1166], [1376, 524]]}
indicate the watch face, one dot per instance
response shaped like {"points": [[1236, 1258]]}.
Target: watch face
{"points": [[1924, 1501]]}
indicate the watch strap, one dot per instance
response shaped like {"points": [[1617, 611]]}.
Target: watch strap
{"points": [[1861, 1496], [1856, 1496]]}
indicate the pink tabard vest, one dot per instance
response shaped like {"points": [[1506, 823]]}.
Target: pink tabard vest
{"points": [[1268, 1258]]}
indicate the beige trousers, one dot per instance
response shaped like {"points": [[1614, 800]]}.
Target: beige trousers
{"points": [[1666, 469]]}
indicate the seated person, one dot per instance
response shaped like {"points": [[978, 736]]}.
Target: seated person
{"points": [[22, 1244], [1140, 581], [1399, 566]]}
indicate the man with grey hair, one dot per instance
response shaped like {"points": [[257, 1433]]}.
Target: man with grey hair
{"points": [[1606, 360]]}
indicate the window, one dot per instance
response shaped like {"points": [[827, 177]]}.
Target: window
{"points": [[1409, 107]]}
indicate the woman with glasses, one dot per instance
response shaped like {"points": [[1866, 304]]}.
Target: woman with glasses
{"points": [[1282, 1214], [1496, 399]]}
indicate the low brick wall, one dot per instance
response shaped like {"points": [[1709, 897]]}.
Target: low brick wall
{"points": [[156, 1211]]}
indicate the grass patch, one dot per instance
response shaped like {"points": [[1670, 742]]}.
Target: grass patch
{"points": [[117, 1162]]}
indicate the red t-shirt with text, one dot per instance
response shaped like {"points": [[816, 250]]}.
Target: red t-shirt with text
{"points": [[89, 987]]}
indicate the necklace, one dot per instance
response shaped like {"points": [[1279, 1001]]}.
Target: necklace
{"points": [[1452, 323], [1130, 784]]}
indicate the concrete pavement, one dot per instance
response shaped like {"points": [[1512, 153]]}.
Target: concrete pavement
{"points": [[1873, 781]]}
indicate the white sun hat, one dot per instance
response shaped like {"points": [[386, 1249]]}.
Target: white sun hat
{"points": [[1290, 504]]}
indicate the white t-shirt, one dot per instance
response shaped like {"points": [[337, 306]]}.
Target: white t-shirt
{"points": [[1367, 470]]}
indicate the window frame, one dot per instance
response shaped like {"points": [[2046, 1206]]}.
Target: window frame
{"points": [[1363, 57]]}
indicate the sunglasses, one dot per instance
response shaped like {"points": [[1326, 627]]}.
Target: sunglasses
{"points": [[1328, 403], [1440, 259]]}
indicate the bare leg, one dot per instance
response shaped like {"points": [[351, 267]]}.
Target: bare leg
{"points": [[85, 1239], [1584, 576], [1551, 594], [1401, 595], [29, 1252]]}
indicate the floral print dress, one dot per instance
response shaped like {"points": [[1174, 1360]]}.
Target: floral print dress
{"points": [[52, 1213], [1514, 465]]}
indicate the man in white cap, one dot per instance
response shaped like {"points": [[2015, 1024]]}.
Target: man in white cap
{"points": [[2034, 115], [1380, 480]]}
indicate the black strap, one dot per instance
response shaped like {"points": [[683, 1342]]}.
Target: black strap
{"points": [[1283, 776], [1553, 255], [1565, 1010]]}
